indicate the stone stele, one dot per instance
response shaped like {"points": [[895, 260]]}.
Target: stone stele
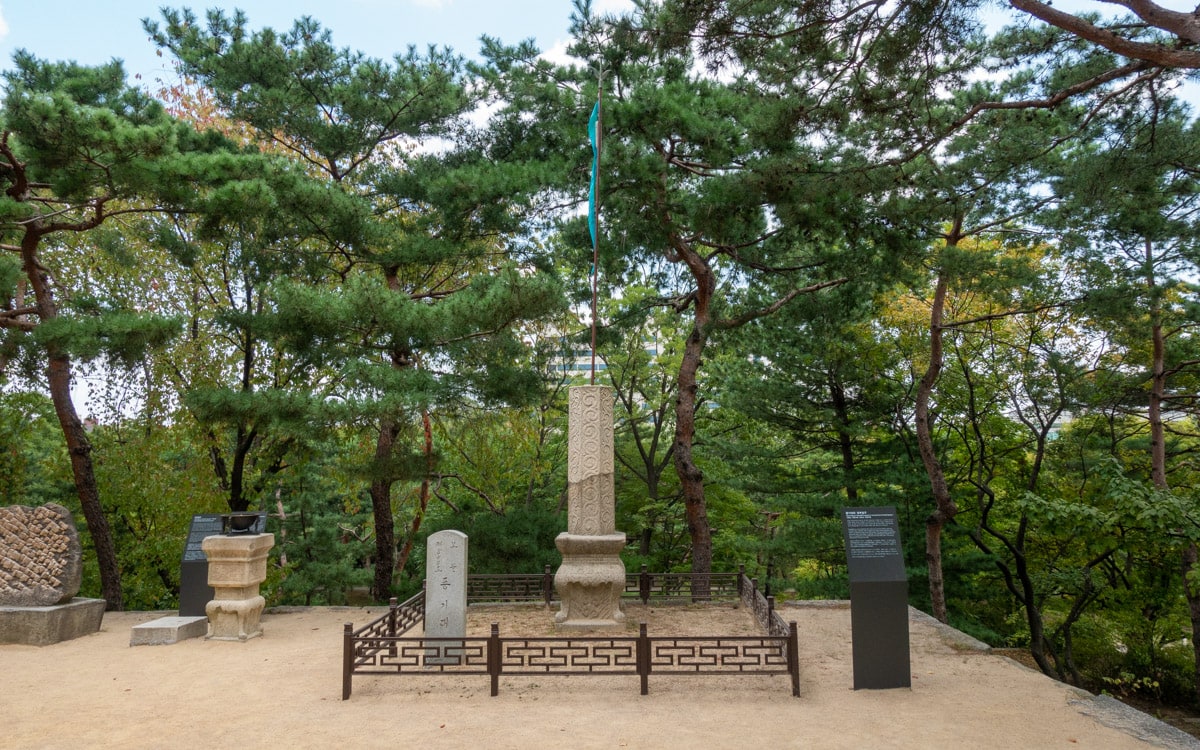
{"points": [[40, 557], [445, 595]]}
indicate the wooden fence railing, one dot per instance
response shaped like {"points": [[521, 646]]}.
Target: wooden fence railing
{"points": [[644, 585], [381, 646]]}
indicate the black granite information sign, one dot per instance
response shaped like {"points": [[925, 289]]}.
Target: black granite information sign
{"points": [[873, 544], [194, 591], [203, 525], [878, 598]]}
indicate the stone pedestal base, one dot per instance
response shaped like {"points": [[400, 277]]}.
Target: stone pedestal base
{"points": [[43, 626], [590, 581], [236, 566], [234, 619]]}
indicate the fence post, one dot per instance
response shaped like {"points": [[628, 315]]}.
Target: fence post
{"points": [[643, 658], [392, 603], [493, 658], [644, 581], [770, 612], [547, 585], [793, 658], [741, 578], [347, 659]]}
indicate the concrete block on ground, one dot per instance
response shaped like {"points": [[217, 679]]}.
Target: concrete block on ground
{"points": [[43, 626], [167, 630]]}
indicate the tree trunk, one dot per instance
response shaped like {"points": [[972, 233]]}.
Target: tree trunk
{"points": [[845, 440], [691, 479], [1033, 613], [944, 507], [381, 505], [1158, 460], [245, 436], [237, 495], [419, 516], [79, 448], [384, 478]]}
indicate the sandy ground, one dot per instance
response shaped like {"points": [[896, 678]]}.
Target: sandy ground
{"points": [[284, 691]]}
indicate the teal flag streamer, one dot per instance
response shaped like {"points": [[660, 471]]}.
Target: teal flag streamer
{"points": [[593, 137]]}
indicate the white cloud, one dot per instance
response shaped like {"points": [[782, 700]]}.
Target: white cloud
{"points": [[3, 24], [557, 53], [612, 6]]}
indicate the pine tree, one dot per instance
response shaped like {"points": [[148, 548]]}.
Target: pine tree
{"points": [[741, 179], [421, 307], [80, 149]]}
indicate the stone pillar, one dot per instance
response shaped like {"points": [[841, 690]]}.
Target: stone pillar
{"points": [[236, 566], [592, 577]]}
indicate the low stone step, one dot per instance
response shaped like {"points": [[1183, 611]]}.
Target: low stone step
{"points": [[167, 630]]}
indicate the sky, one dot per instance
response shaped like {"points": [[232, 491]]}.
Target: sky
{"points": [[92, 33]]}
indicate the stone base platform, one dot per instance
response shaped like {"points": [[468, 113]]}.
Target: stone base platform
{"points": [[167, 630], [590, 581], [43, 626]]}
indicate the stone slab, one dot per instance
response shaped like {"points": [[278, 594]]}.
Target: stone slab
{"points": [[43, 626], [167, 630]]}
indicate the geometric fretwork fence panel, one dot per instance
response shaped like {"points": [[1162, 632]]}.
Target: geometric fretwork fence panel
{"points": [[380, 647]]}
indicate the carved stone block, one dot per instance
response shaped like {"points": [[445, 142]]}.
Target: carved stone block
{"points": [[236, 566], [41, 561]]}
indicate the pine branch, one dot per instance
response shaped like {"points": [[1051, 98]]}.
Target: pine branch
{"points": [[1185, 26], [1009, 314], [762, 312]]}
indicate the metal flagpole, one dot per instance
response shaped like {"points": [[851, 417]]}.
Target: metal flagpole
{"points": [[596, 193]]}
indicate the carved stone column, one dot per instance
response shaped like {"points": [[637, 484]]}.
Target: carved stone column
{"points": [[236, 566], [592, 577]]}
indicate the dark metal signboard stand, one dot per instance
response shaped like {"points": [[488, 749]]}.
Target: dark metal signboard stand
{"points": [[194, 591], [878, 598]]}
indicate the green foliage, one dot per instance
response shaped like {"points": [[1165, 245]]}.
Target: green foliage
{"points": [[33, 469], [324, 538], [155, 479], [322, 527], [120, 337], [521, 540]]}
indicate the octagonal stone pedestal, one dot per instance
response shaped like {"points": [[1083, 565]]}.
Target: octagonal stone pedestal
{"points": [[237, 564]]}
